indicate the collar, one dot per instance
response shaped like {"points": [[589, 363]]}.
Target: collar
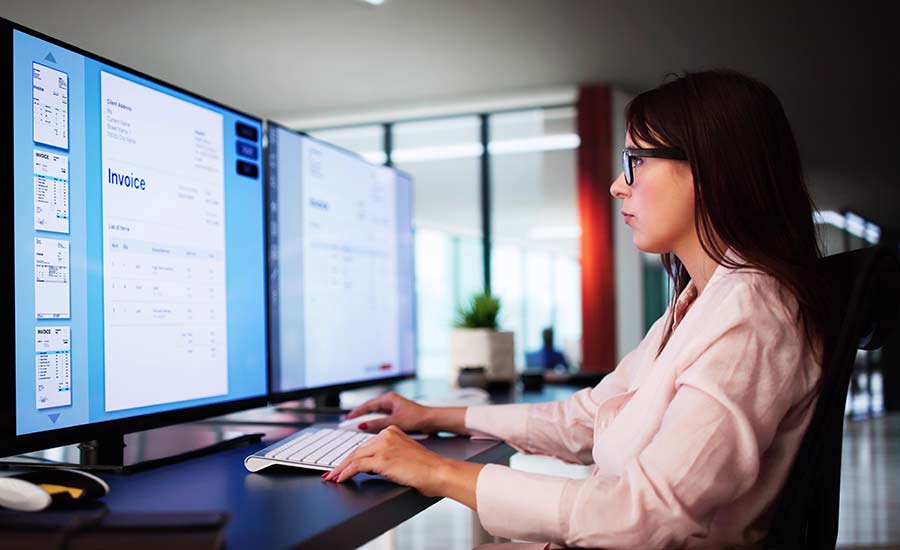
{"points": [[690, 293], [684, 301]]}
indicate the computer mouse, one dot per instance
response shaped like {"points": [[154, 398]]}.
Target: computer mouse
{"points": [[38, 489], [353, 423], [18, 494]]}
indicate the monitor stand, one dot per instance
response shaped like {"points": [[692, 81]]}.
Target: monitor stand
{"points": [[136, 451], [328, 402]]}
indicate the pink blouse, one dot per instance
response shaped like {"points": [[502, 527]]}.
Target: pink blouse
{"points": [[690, 448]]}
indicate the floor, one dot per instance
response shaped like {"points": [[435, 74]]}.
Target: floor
{"points": [[870, 483], [870, 497]]}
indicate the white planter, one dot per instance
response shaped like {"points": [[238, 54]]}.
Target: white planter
{"points": [[481, 347]]}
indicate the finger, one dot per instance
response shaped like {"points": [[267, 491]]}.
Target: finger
{"points": [[371, 405], [377, 424], [340, 471], [366, 464], [363, 451], [340, 467], [376, 404]]}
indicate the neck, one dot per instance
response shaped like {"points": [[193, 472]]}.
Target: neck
{"points": [[699, 265]]}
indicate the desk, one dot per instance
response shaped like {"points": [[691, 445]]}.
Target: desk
{"points": [[292, 507], [285, 507]]}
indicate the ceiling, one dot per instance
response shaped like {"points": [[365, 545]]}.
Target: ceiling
{"points": [[833, 64]]}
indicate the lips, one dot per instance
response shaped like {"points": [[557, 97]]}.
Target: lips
{"points": [[627, 216]]}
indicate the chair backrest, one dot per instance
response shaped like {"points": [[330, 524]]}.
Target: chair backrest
{"points": [[865, 301]]}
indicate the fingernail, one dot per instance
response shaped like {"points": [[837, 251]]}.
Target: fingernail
{"points": [[325, 475], [363, 426]]}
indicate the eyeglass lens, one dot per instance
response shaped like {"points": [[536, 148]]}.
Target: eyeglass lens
{"points": [[627, 168]]}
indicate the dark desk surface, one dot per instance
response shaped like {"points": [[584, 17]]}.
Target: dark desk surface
{"points": [[281, 507]]}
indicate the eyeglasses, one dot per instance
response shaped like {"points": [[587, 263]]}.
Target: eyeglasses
{"points": [[630, 153]]}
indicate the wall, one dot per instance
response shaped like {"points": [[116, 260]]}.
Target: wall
{"points": [[629, 271]]}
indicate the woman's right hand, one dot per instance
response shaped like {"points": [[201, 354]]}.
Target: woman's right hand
{"points": [[407, 415]]}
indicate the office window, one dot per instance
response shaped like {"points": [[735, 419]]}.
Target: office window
{"points": [[434, 299], [535, 266], [567, 302], [443, 156], [538, 297], [367, 140], [535, 263], [508, 276]]}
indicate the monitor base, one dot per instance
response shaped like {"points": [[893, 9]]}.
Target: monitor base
{"points": [[328, 402], [136, 451]]}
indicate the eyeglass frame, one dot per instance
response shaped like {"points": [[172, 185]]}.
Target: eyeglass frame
{"points": [[629, 153]]}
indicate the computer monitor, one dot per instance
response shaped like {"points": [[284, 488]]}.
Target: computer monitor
{"points": [[136, 227], [342, 305]]}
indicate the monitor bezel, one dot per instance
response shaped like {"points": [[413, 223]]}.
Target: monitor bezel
{"points": [[276, 397], [12, 443]]}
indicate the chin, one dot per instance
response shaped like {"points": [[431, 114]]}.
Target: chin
{"points": [[648, 245]]}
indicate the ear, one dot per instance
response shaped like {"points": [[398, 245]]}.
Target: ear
{"points": [[681, 172]]}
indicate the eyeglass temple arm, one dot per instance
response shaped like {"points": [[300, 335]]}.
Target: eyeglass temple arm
{"points": [[672, 154]]}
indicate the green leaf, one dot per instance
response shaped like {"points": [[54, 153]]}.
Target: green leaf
{"points": [[481, 312]]}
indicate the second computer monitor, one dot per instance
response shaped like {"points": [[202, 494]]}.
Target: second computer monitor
{"points": [[342, 308]]}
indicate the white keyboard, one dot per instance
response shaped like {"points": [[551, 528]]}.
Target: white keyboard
{"points": [[313, 448]]}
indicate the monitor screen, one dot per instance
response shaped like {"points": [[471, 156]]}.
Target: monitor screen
{"points": [[340, 250], [138, 243]]}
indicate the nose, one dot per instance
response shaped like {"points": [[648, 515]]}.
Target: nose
{"points": [[619, 189]]}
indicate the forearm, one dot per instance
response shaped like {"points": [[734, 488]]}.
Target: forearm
{"points": [[447, 419], [458, 480]]}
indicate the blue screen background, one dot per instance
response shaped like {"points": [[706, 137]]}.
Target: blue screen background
{"points": [[244, 236]]}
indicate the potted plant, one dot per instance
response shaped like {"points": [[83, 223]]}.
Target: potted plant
{"points": [[476, 341]]}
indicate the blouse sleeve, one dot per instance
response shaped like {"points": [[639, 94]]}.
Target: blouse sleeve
{"points": [[562, 429], [707, 452]]}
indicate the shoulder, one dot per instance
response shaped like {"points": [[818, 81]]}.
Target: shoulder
{"points": [[748, 317], [750, 295]]}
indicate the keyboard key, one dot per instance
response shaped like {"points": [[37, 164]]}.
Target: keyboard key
{"points": [[306, 443], [344, 448], [300, 456], [325, 449], [287, 444]]}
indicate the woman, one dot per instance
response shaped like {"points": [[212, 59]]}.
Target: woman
{"points": [[693, 435]]}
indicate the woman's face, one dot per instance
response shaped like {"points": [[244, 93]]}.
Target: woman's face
{"points": [[659, 205]]}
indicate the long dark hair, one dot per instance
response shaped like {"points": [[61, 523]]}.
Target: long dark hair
{"points": [[748, 182]]}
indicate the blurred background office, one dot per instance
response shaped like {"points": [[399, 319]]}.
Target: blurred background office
{"points": [[508, 113]]}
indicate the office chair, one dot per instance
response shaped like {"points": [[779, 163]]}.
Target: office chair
{"points": [[866, 300]]}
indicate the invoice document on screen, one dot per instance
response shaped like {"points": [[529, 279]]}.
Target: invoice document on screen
{"points": [[163, 247]]}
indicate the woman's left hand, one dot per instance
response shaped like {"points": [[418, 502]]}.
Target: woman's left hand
{"points": [[396, 456]]}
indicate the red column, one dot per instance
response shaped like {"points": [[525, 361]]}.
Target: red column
{"points": [[595, 208]]}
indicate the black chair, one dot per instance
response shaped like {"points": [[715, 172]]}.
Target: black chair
{"points": [[866, 300]]}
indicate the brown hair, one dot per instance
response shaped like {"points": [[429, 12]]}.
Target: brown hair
{"points": [[748, 182]]}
